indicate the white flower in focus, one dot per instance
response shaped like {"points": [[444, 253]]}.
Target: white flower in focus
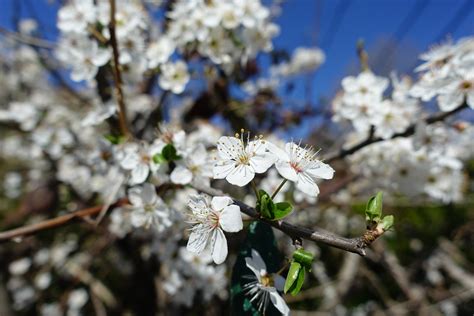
{"points": [[239, 162], [265, 286], [148, 208], [300, 165], [174, 76], [210, 219]]}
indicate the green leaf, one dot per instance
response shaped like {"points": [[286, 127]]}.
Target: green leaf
{"points": [[304, 258], [265, 205], [113, 139], [282, 210], [158, 158], [292, 275], [169, 153], [373, 211], [296, 288], [387, 222]]}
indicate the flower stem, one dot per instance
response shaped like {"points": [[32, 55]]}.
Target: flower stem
{"points": [[279, 188], [254, 187]]}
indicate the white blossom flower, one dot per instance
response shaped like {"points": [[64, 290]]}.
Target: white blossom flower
{"points": [[159, 52], [148, 208], [174, 76], [265, 287], [195, 167], [138, 158], [210, 219], [239, 161], [300, 165]]}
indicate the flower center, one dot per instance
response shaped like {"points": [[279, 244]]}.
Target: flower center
{"points": [[267, 280], [213, 219], [295, 166]]}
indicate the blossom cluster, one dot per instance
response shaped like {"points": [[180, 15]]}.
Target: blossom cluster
{"points": [[448, 73], [362, 103]]}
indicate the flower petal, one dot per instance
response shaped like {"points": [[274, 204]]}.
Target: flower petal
{"points": [[256, 263], [231, 219], [260, 164], [222, 169], [140, 173], [227, 147], [278, 301], [218, 203], [321, 170], [241, 175], [307, 185], [286, 170], [135, 196], [198, 239], [149, 195], [219, 246], [181, 175]]}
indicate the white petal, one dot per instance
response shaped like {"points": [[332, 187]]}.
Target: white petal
{"points": [[307, 185], [140, 173], [181, 175], [261, 163], [450, 101], [218, 203], [138, 218], [279, 153], [130, 161], [255, 263], [198, 239], [286, 170], [219, 246], [321, 170], [258, 147], [149, 195], [278, 301], [222, 169], [227, 147], [279, 282], [135, 196], [241, 175], [231, 219]]}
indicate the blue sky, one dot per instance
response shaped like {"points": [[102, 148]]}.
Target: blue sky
{"points": [[335, 26]]}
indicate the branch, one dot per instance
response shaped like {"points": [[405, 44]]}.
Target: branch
{"points": [[55, 222], [117, 73], [356, 245], [26, 39], [437, 117]]}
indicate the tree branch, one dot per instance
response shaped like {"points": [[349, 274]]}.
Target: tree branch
{"points": [[55, 222], [437, 117], [117, 74], [356, 245]]}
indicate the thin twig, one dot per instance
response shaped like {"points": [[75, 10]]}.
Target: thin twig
{"points": [[26, 39], [440, 116], [55, 222], [117, 74], [356, 245]]}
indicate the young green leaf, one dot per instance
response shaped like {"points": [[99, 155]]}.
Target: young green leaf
{"points": [[373, 211], [265, 205], [304, 258], [281, 210], [292, 275], [169, 153], [158, 159], [296, 288], [387, 222]]}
